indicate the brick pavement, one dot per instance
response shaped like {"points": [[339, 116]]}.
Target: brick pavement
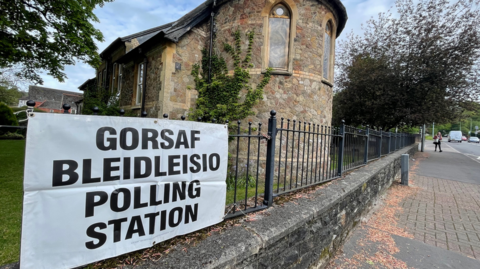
{"points": [[444, 213]]}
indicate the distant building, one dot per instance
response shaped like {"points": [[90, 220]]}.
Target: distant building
{"points": [[52, 100], [22, 101]]}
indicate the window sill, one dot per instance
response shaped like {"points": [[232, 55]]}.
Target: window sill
{"points": [[135, 107], [279, 72], [326, 82]]}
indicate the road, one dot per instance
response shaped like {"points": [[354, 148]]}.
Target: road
{"points": [[458, 161], [470, 149]]}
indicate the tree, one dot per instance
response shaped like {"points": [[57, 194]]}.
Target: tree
{"points": [[6, 116], [12, 75], [9, 94], [44, 35], [420, 67]]}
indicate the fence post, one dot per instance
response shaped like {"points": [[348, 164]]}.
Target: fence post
{"points": [[381, 141], [340, 148], [30, 106], [404, 169], [270, 165], [365, 158], [66, 108], [389, 141], [122, 112], [396, 138], [95, 110]]}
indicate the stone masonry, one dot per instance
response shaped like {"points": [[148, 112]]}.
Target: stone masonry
{"points": [[301, 95]]}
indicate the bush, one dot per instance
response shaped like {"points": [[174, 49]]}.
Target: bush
{"points": [[9, 135], [6, 116]]}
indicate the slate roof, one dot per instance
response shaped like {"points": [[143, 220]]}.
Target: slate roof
{"points": [[51, 90], [51, 104], [52, 98], [173, 31]]}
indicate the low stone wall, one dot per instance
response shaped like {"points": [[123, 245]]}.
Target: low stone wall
{"points": [[300, 234]]}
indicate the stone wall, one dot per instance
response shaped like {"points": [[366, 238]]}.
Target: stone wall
{"points": [[303, 95], [154, 83], [300, 234], [180, 93], [127, 90]]}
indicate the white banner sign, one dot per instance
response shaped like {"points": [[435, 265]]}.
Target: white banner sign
{"points": [[97, 187]]}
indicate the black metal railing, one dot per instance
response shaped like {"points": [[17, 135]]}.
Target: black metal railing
{"points": [[292, 156], [386, 136], [355, 148], [306, 155], [244, 180], [301, 154]]}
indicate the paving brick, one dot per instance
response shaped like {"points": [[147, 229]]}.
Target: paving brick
{"points": [[442, 213]]}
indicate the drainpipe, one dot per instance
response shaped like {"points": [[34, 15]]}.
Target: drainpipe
{"points": [[144, 86], [211, 43]]}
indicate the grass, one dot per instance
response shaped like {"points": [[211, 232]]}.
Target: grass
{"points": [[241, 193], [11, 193], [428, 137]]}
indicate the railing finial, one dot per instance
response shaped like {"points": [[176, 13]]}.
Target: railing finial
{"points": [[66, 108]]}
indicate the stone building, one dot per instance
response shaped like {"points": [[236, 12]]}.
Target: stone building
{"points": [[52, 100], [151, 70]]}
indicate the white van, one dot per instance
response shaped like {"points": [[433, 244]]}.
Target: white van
{"points": [[455, 136]]}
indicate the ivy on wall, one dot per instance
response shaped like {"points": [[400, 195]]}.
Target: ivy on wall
{"points": [[220, 98]]}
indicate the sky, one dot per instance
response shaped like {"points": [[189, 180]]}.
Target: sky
{"points": [[125, 17]]}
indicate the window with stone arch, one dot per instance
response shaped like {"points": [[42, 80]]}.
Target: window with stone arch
{"points": [[279, 37], [327, 50]]}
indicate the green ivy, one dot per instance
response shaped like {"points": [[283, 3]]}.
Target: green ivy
{"points": [[220, 98]]}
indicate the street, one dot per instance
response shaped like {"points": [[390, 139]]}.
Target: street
{"points": [[472, 150], [458, 162]]}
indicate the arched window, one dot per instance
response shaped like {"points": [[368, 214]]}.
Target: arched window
{"points": [[279, 36], [327, 50]]}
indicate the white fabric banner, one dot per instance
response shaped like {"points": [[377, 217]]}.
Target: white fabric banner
{"points": [[97, 187]]}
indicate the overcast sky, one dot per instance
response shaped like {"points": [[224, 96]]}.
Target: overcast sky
{"points": [[125, 17]]}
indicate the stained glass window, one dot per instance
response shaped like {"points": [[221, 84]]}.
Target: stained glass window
{"points": [[279, 34], [326, 50]]}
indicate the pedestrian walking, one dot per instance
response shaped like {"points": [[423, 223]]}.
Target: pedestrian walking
{"points": [[437, 140]]}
